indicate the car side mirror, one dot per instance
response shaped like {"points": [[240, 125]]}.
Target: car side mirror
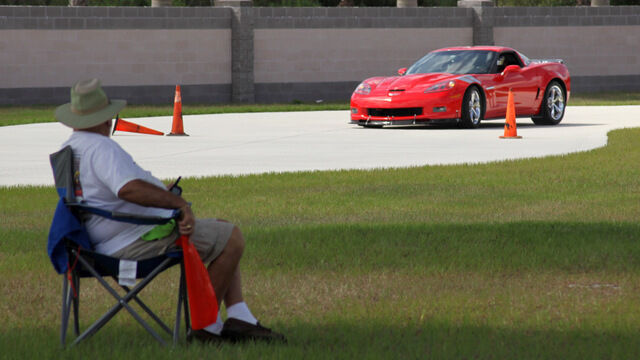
{"points": [[402, 71], [510, 69]]}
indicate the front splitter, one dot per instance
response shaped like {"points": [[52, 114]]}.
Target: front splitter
{"points": [[419, 122]]}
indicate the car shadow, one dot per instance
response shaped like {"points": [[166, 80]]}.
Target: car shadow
{"points": [[496, 124], [483, 125]]}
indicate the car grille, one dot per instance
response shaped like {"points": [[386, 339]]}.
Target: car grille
{"points": [[397, 112]]}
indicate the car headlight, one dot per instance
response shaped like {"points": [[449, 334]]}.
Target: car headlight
{"points": [[442, 86], [363, 89]]}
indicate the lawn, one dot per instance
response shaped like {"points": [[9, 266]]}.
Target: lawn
{"points": [[527, 259], [14, 115]]}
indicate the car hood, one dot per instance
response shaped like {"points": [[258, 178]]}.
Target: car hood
{"points": [[409, 82]]}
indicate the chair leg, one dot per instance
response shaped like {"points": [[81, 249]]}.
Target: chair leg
{"points": [[65, 309], [182, 299], [148, 311], [76, 302], [122, 302], [176, 326], [69, 301], [185, 297]]}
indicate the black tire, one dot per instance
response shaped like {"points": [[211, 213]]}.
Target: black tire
{"points": [[471, 110], [553, 105]]}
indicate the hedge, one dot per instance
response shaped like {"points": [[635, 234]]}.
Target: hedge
{"points": [[314, 2]]}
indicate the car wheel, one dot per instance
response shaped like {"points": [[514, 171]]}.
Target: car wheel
{"points": [[471, 109], [553, 105]]}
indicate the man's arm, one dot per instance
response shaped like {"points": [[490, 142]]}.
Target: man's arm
{"points": [[143, 193]]}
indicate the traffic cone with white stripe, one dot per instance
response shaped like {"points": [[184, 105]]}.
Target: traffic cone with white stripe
{"points": [[176, 127], [510, 131]]}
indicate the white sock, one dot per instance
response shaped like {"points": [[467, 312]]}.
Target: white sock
{"points": [[216, 327], [241, 311]]}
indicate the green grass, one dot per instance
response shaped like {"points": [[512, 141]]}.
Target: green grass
{"points": [[16, 115], [527, 259], [605, 99]]}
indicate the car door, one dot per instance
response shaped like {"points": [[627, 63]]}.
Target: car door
{"points": [[518, 80]]}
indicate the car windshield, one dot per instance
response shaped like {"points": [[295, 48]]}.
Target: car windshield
{"points": [[455, 62], [525, 59]]}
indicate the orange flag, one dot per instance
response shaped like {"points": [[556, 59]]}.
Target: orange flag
{"points": [[203, 303]]}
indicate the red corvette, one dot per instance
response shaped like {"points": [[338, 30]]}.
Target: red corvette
{"points": [[464, 85]]}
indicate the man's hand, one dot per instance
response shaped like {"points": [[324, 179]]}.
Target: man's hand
{"points": [[146, 194], [187, 221]]}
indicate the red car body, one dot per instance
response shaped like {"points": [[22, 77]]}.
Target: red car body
{"points": [[540, 88]]}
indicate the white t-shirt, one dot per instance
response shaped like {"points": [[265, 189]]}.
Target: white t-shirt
{"points": [[104, 169]]}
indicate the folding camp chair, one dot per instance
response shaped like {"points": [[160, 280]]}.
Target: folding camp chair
{"points": [[72, 256]]}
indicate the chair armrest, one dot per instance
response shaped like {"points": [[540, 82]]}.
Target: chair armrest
{"points": [[140, 219], [125, 217]]}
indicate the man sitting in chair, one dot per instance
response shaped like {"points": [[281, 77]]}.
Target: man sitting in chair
{"points": [[108, 178]]}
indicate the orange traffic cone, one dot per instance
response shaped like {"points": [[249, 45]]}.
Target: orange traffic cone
{"points": [[510, 131], [176, 127], [124, 125]]}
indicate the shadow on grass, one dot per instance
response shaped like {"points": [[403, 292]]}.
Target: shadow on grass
{"points": [[344, 340], [435, 340], [520, 246], [385, 332]]}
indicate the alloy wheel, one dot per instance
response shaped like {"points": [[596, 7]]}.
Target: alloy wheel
{"points": [[555, 102]]}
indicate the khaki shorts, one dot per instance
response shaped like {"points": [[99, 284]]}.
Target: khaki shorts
{"points": [[209, 237]]}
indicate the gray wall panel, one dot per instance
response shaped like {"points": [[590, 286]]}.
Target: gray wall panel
{"points": [[306, 92], [140, 70], [161, 95], [623, 83]]}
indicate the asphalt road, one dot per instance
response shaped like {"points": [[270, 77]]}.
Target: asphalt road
{"points": [[237, 144]]}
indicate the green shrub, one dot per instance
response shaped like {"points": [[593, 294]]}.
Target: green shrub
{"points": [[35, 2], [625, 2], [535, 2], [291, 3], [560, 2], [90, 2], [430, 3], [192, 2], [120, 3]]}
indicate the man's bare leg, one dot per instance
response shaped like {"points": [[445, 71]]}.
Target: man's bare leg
{"points": [[222, 270], [234, 291], [241, 325]]}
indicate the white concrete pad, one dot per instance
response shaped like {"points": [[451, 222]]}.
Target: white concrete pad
{"points": [[235, 144]]}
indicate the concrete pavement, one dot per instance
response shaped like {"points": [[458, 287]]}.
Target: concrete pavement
{"points": [[237, 144]]}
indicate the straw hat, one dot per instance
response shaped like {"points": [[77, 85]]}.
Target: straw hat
{"points": [[89, 106]]}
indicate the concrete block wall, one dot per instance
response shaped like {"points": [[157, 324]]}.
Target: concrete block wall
{"points": [[139, 53], [222, 54], [313, 54], [600, 45]]}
